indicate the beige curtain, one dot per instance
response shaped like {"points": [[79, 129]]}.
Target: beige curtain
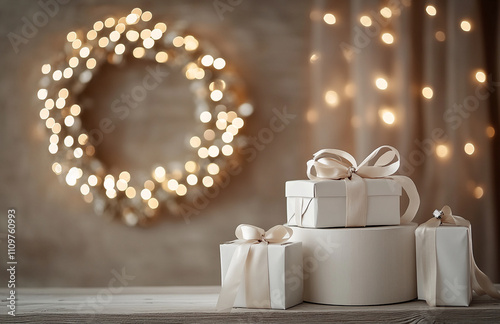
{"points": [[443, 132]]}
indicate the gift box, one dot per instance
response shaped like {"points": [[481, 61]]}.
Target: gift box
{"points": [[341, 193], [453, 271], [358, 266], [447, 273], [322, 203], [285, 287], [257, 273]]}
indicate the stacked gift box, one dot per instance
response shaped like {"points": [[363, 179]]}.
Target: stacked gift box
{"points": [[345, 243], [348, 220]]}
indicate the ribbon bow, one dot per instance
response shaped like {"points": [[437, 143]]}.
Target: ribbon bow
{"points": [[250, 262], [427, 256], [252, 234], [337, 164]]}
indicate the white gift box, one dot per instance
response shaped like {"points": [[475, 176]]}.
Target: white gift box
{"points": [[322, 203], [358, 266], [453, 286], [285, 283]]}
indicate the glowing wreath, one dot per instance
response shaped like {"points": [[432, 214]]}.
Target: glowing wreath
{"points": [[220, 108]]}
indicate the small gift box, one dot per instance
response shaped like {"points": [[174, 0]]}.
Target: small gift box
{"points": [[343, 194], [259, 269], [446, 271]]}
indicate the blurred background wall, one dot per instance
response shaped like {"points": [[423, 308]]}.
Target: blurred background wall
{"points": [[60, 240]]}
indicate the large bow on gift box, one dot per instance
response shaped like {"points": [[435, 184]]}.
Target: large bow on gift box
{"points": [[427, 256], [251, 254], [336, 164]]}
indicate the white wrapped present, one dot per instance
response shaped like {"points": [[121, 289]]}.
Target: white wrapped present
{"points": [[322, 203], [446, 271], [342, 194], [257, 270]]}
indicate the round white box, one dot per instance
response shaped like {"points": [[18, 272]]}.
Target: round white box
{"points": [[358, 266]]}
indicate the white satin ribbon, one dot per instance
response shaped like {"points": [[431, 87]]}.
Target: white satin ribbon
{"points": [[336, 164], [250, 263], [299, 202], [427, 257]]}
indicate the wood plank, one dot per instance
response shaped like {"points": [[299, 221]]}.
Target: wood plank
{"points": [[179, 304]]}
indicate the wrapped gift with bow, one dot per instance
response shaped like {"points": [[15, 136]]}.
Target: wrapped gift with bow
{"points": [[341, 193], [446, 271], [261, 269]]}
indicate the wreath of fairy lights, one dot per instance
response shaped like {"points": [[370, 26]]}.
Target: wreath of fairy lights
{"points": [[220, 108]]}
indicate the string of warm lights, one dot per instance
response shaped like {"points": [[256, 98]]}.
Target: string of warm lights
{"points": [[220, 108], [387, 114]]}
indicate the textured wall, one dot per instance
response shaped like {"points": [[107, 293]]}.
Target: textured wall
{"points": [[61, 242]]}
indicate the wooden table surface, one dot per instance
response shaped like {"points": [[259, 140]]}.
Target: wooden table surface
{"points": [[196, 304]]}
